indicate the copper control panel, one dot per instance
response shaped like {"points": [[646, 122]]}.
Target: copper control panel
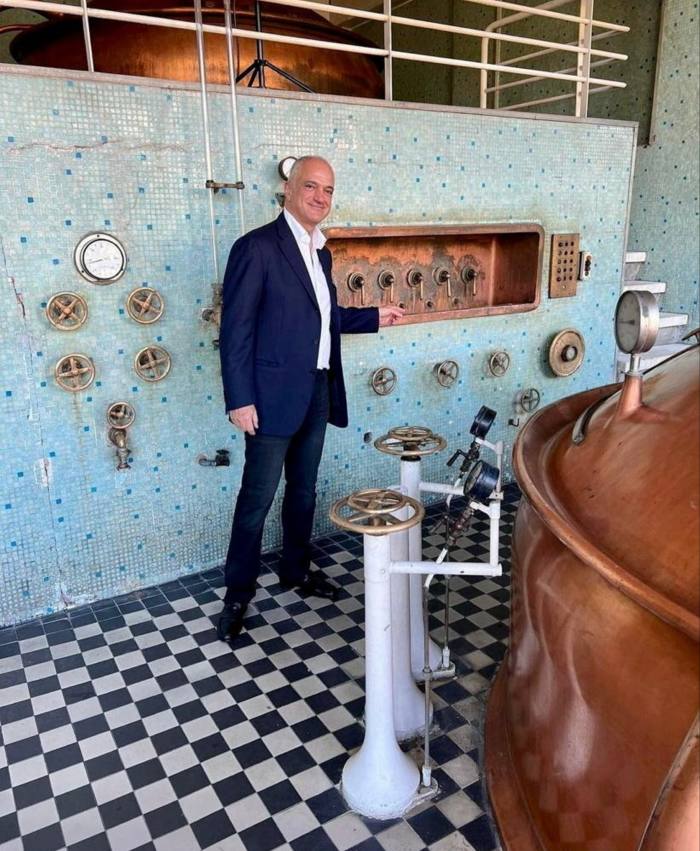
{"points": [[439, 272]]}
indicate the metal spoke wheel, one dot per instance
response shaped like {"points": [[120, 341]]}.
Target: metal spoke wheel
{"points": [[383, 381], [373, 512], [410, 441]]}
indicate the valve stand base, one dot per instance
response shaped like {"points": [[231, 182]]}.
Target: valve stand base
{"points": [[400, 809], [447, 673]]}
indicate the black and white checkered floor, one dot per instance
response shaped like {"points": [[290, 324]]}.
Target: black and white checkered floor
{"points": [[127, 725]]}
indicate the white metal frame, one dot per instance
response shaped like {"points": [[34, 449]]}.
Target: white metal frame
{"points": [[580, 75]]}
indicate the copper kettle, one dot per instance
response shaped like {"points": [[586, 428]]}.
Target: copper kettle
{"points": [[152, 51]]}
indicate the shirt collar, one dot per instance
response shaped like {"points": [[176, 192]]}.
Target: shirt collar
{"points": [[317, 239]]}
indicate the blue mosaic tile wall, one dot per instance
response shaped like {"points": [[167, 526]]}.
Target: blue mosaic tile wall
{"points": [[83, 154], [665, 211]]}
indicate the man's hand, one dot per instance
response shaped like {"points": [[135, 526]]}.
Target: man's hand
{"points": [[390, 315], [245, 418]]}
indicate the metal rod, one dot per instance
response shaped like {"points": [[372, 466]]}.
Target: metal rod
{"points": [[205, 128], [427, 678], [553, 98], [584, 60], [336, 10], [525, 82], [597, 37], [86, 36], [234, 111], [539, 11], [388, 62], [525, 72], [516, 39], [455, 568]]}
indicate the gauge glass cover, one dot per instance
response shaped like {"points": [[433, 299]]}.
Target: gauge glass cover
{"points": [[100, 258], [628, 320]]}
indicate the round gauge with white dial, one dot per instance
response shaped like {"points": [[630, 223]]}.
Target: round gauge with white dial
{"points": [[285, 167], [636, 321], [100, 258]]}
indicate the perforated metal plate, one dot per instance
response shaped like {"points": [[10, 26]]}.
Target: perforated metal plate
{"points": [[563, 271]]}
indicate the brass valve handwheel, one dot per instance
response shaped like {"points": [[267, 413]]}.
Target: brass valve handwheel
{"points": [[67, 311], [411, 441], [145, 305], [499, 362], [529, 399], [372, 512], [566, 352], [383, 380], [152, 363], [446, 372], [74, 372], [120, 415]]}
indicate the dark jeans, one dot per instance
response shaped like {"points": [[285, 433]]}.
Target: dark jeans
{"points": [[265, 456]]}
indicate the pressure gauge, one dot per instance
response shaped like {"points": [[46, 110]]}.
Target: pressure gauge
{"points": [[636, 321], [481, 481], [482, 422], [100, 258], [285, 166]]}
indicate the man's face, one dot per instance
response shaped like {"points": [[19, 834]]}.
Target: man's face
{"points": [[309, 193]]}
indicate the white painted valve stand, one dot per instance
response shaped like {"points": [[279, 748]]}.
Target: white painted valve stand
{"points": [[410, 443], [381, 781], [409, 701]]}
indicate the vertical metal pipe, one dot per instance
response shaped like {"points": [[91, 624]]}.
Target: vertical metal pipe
{"points": [[86, 36], [199, 32], [428, 677], [234, 111], [497, 60], [484, 74], [583, 62], [388, 60]]}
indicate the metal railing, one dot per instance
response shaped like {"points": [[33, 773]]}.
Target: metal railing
{"points": [[579, 74]]}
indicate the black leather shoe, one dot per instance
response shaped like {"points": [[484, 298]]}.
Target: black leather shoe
{"points": [[230, 621], [314, 585]]}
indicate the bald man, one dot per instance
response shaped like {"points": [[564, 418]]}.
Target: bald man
{"points": [[283, 380]]}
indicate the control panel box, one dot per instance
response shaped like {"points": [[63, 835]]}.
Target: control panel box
{"points": [[439, 272]]}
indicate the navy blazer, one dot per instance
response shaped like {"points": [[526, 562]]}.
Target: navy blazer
{"points": [[271, 327]]}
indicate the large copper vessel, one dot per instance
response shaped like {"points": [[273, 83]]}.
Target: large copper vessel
{"points": [[154, 51], [592, 726]]}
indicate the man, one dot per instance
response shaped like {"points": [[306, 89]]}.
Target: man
{"points": [[283, 380]]}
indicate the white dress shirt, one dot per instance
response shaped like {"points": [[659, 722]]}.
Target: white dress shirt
{"points": [[309, 246]]}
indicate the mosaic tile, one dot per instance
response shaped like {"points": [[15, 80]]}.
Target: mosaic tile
{"points": [[94, 154]]}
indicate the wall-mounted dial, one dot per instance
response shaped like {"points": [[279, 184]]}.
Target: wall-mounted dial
{"points": [[285, 166], [100, 258], [636, 321]]}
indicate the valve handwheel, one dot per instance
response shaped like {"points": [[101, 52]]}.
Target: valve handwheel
{"points": [[120, 415], [145, 305], [383, 380], [74, 372], [529, 399], [446, 372], [67, 311], [152, 363], [373, 512], [410, 440]]}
